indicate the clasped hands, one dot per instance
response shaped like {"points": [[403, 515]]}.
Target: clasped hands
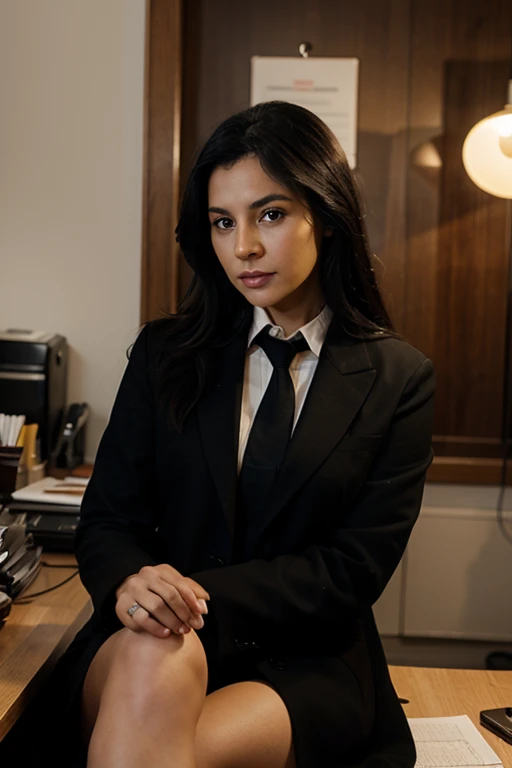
{"points": [[169, 602]]}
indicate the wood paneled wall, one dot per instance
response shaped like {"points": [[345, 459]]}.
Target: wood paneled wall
{"points": [[429, 69], [160, 275]]}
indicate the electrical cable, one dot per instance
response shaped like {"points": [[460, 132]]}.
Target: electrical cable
{"points": [[503, 659], [25, 599], [507, 399]]}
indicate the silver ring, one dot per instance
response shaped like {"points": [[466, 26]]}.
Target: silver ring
{"points": [[131, 610]]}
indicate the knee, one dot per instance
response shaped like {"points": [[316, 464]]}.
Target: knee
{"points": [[149, 662]]}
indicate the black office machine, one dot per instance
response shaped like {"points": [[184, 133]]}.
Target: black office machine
{"points": [[33, 380], [69, 448]]}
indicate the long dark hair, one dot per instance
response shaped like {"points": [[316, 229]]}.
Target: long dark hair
{"points": [[301, 153]]}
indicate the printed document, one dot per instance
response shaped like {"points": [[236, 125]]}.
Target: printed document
{"points": [[443, 742]]}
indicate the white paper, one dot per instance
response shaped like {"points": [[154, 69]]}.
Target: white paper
{"points": [[326, 86], [36, 491], [10, 428], [443, 742]]}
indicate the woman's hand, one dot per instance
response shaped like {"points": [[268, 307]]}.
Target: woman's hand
{"points": [[169, 602]]}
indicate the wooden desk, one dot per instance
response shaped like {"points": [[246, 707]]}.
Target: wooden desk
{"points": [[443, 692], [36, 635]]}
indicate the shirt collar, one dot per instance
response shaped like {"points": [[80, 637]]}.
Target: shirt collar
{"points": [[314, 332]]}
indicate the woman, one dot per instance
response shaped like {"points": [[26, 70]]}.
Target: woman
{"points": [[280, 493]]}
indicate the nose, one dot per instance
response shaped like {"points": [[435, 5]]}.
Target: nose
{"points": [[248, 244]]}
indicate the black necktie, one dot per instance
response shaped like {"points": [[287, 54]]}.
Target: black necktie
{"points": [[270, 432]]}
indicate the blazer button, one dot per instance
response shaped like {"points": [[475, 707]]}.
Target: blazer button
{"points": [[245, 644]]}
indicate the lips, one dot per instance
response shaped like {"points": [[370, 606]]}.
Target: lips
{"points": [[256, 279]]}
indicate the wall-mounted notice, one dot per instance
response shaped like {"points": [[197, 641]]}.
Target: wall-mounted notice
{"points": [[325, 86]]}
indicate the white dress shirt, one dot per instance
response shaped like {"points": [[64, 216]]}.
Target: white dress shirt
{"points": [[258, 368]]}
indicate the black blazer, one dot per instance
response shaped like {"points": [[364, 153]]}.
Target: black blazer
{"points": [[344, 503]]}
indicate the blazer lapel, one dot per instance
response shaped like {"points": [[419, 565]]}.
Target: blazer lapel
{"points": [[219, 421], [341, 383]]}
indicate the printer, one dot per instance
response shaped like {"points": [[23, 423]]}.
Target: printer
{"points": [[33, 381]]}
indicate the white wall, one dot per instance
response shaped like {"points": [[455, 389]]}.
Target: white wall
{"points": [[71, 137], [452, 581]]}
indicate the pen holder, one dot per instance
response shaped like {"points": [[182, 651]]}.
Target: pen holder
{"points": [[9, 460]]}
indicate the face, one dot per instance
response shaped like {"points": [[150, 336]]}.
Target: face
{"points": [[266, 241]]}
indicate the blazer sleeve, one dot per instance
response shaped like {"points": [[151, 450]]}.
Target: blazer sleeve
{"points": [[116, 534], [296, 600]]}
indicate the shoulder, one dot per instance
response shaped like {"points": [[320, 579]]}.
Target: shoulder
{"points": [[145, 354], [396, 360], [388, 350], [151, 339], [157, 331]]}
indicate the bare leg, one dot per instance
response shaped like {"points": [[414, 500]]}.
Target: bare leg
{"points": [[244, 725], [142, 699]]}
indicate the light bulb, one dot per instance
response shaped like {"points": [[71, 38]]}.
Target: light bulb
{"points": [[487, 153], [505, 143], [504, 125]]}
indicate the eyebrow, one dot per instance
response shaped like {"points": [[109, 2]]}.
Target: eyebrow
{"points": [[257, 203]]}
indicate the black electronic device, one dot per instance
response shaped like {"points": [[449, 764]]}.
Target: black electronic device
{"points": [[33, 380], [68, 452], [52, 526], [55, 533], [499, 721]]}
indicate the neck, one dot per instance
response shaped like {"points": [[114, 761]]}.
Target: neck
{"points": [[294, 318]]}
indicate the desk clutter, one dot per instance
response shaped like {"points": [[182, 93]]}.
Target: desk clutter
{"points": [[50, 510], [67, 492], [39, 434], [20, 557], [44, 514], [19, 453]]}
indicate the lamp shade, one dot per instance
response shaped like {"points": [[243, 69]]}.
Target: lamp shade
{"points": [[487, 152]]}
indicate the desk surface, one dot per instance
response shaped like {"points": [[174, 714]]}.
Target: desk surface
{"points": [[445, 692], [35, 635]]}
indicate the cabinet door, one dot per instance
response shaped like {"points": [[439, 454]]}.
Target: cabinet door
{"points": [[458, 576]]}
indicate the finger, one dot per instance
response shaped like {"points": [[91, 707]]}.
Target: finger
{"points": [[181, 597], [171, 599], [191, 589], [162, 599], [165, 604], [199, 591], [144, 617], [152, 626], [142, 621]]}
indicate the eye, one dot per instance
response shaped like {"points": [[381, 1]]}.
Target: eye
{"points": [[273, 214], [223, 223]]}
